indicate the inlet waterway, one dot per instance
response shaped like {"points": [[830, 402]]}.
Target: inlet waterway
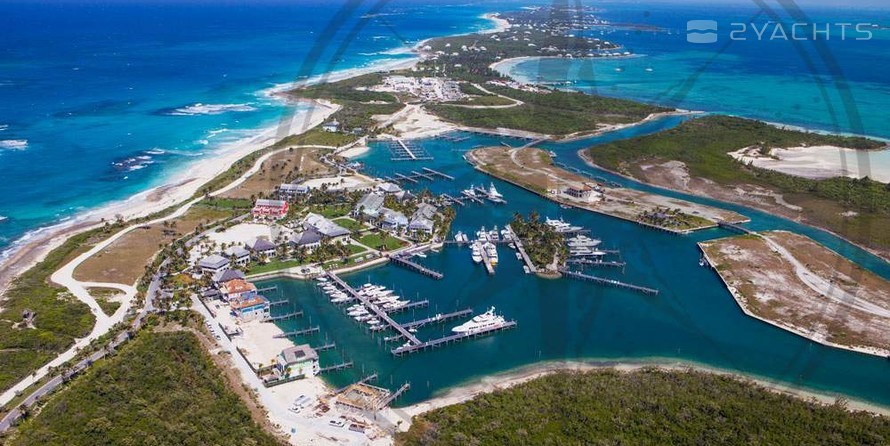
{"points": [[693, 319]]}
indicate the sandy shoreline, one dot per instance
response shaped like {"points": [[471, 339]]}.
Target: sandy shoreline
{"points": [[820, 162], [487, 384]]}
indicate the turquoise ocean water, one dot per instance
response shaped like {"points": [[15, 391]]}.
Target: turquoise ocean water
{"points": [[100, 101]]}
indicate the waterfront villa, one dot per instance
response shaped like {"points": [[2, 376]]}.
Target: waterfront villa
{"points": [[213, 264], [300, 361], [238, 254], [420, 224], [325, 227], [238, 289], [331, 126], [271, 209], [584, 192], [250, 309], [309, 239], [392, 220], [389, 188], [369, 206], [261, 248], [227, 275]]}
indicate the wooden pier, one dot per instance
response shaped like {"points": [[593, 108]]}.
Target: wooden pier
{"points": [[326, 347], [335, 367], [385, 402], [436, 172], [374, 308], [301, 332], [459, 201], [364, 380], [485, 259], [281, 317], [267, 289], [608, 282], [278, 302], [405, 151], [416, 304], [408, 349], [439, 318], [404, 262], [525, 258], [589, 262]]}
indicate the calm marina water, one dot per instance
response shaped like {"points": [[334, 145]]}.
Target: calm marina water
{"points": [[98, 102], [692, 320]]}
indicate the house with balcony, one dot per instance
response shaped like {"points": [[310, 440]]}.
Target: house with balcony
{"points": [[300, 361], [269, 209]]}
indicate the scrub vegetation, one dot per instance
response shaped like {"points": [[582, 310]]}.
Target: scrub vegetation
{"points": [[649, 406]]}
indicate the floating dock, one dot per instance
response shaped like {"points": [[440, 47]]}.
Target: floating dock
{"points": [[325, 347], [408, 349], [404, 262], [416, 304], [267, 289], [301, 332], [382, 315], [278, 302], [589, 262], [439, 318], [437, 173], [335, 367], [608, 282], [521, 249], [281, 317], [406, 151], [385, 402]]}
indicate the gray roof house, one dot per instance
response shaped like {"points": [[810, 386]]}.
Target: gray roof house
{"points": [[241, 255], [393, 219], [369, 205], [425, 210], [389, 188], [227, 275], [292, 190], [421, 223], [213, 264], [324, 226], [309, 238], [261, 246]]}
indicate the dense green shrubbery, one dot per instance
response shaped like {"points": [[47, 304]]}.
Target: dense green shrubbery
{"points": [[647, 407], [162, 389], [702, 144]]}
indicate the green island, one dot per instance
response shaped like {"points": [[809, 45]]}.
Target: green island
{"points": [[648, 406], [163, 389], [858, 209], [545, 247]]}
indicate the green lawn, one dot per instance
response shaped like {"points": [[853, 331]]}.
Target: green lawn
{"points": [[332, 211], [376, 240], [161, 389], [275, 265], [349, 223], [647, 407]]}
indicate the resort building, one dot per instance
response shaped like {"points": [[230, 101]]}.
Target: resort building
{"points": [[272, 209], [238, 289], [583, 193], [289, 190], [421, 224], [227, 275], [309, 239], [331, 126], [424, 210], [213, 264], [389, 188], [369, 206], [251, 309], [392, 220], [300, 361], [261, 248], [238, 255], [325, 227]]}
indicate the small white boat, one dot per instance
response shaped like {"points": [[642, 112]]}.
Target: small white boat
{"points": [[477, 253], [493, 193]]}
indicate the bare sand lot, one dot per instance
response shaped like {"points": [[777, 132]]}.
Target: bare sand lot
{"points": [[794, 283]]}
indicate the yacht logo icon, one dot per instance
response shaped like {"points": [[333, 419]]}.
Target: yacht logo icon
{"points": [[701, 31]]}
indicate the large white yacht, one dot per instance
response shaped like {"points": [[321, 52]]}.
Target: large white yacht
{"points": [[483, 321], [493, 193], [562, 226], [477, 253], [582, 241]]}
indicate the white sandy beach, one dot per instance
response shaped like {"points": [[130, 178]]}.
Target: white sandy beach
{"points": [[819, 162], [488, 384]]}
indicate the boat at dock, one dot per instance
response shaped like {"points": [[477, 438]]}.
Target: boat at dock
{"points": [[493, 192], [477, 253], [561, 226], [582, 241], [484, 321], [469, 192], [492, 251]]}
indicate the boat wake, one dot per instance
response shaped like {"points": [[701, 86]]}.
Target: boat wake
{"points": [[13, 144]]}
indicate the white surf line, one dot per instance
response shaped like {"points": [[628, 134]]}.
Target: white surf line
{"points": [[65, 277]]}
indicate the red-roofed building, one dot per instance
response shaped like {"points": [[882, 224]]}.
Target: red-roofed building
{"points": [[273, 209], [256, 307]]}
